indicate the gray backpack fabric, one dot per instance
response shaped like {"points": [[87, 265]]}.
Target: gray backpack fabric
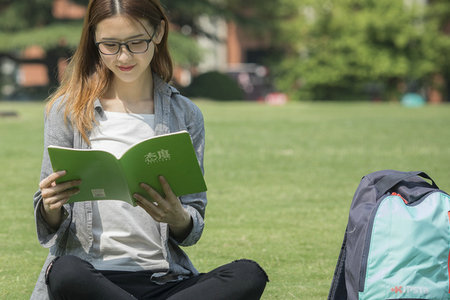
{"points": [[372, 203]]}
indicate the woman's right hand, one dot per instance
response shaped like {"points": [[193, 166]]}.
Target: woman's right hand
{"points": [[55, 195]]}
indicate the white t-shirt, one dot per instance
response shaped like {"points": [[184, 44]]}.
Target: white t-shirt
{"points": [[126, 238]]}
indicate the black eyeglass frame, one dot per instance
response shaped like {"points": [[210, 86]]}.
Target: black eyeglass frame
{"points": [[97, 44]]}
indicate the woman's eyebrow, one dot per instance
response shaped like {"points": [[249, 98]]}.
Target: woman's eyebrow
{"points": [[128, 38]]}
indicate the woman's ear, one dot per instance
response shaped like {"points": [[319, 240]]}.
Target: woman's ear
{"points": [[160, 32]]}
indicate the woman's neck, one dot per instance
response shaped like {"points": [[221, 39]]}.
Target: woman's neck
{"points": [[135, 97], [140, 90]]}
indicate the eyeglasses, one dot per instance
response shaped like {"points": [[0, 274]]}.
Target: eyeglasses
{"points": [[133, 46]]}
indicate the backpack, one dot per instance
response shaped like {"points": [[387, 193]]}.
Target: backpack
{"points": [[397, 241]]}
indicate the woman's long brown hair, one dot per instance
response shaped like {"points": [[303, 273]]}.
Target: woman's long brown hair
{"points": [[86, 78]]}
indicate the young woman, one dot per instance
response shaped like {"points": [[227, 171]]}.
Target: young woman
{"points": [[114, 94]]}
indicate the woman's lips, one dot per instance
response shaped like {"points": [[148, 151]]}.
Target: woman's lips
{"points": [[125, 68]]}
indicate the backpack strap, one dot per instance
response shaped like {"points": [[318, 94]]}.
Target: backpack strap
{"points": [[338, 291], [389, 181]]}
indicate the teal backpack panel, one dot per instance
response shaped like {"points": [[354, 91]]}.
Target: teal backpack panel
{"points": [[397, 241], [408, 253]]}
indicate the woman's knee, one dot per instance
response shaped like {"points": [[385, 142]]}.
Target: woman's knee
{"points": [[67, 271], [252, 274], [251, 268]]}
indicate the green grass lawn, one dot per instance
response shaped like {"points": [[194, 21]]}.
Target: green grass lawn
{"points": [[280, 183]]}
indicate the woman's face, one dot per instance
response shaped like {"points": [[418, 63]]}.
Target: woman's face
{"points": [[126, 66]]}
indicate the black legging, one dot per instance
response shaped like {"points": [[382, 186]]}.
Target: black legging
{"points": [[70, 277]]}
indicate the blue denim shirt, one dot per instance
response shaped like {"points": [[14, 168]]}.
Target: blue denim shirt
{"points": [[173, 112]]}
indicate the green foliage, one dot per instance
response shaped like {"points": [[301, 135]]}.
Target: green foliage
{"points": [[184, 12], [184, 50], [438, 17], [439, 12], [48, 37], [335, 46], [258, 16], [251, 15], [26, 23], [19, 15], [280, 183], [214, 85], [81, 2]]}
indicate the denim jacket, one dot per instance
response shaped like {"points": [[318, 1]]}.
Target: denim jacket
{"points": [[173, 112]]}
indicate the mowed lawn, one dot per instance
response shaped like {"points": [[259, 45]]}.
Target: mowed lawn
{"points": [[280, 180]]}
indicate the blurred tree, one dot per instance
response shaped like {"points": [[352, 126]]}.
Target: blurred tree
{"points": [[337, 49], [27, 23], [253, 14], [18, 15], [438, 15], [186, 13]]}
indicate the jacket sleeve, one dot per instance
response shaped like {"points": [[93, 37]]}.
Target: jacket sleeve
{"points": [[195, 203], [56, 132]]}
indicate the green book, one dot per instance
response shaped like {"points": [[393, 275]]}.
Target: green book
{"points": [[106, 177]]}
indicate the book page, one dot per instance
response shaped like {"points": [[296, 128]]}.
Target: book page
{"points": [[100, 172], [172, 156]]}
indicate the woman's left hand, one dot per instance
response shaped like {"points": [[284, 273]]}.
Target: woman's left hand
{"points": [[166, 210]]}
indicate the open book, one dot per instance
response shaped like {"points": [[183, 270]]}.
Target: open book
{"points": [[104, 176]]}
